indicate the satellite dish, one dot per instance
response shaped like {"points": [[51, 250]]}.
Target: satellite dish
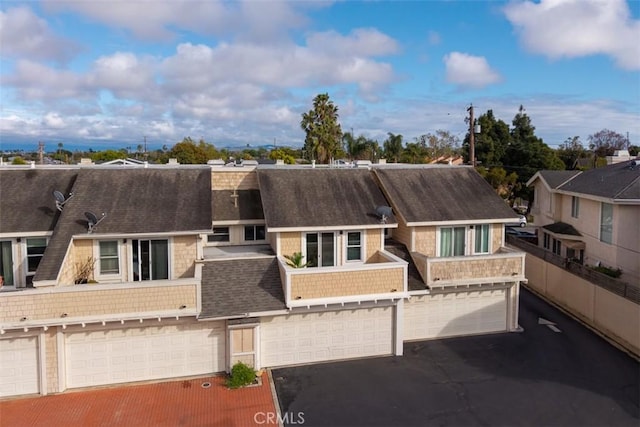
{"points": [[93, 220], [384, 212], [60, 199]]}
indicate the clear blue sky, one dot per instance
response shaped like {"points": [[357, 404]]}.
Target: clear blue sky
{"points": [[108, 73]]}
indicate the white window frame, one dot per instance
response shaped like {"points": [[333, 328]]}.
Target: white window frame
{"points": [[255, 233], [98, 257], [14, 272], [319, 260], [474, 235], [575, 207], [602, 239], [438, 240], [219, 242], [362, 246], [169, 256], [27, 273]]}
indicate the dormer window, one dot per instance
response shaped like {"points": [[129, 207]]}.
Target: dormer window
{"points": [[109, 259], [220, 234], [254, 233]]}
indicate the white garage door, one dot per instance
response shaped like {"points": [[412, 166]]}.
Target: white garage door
{"points": [[144, 353], [456, 313], [330, 335], [18, 366]]}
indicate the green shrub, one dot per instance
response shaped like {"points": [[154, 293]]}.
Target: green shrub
{"points": [[611, 272], [241, 375]]}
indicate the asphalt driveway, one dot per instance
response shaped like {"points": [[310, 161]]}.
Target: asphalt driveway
{"points": [[539, 377]]}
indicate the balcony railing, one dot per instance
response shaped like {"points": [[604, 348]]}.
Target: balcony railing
{"points": [[384, 277], [507, 265]]}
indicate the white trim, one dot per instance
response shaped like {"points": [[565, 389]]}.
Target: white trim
{"points": [[392, 296], [140, 236], [42, 363], [328, 228], [345, 247], [25, 234], [278, 244], [464, 222], [245, 315], [473, 236], [478, 282], [96, 267], [399, 328], [239, 222], [62, 365]]}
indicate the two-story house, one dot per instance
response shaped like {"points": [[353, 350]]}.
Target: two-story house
{"points": [[159, 272], [591, 217]]}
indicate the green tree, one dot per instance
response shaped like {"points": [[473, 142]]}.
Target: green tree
{"points": [[323, 132], [500, 180], [570, 151], [187, 152], [108, 155], [18, 161], [491, 143], [414, 152], [439, 144], [393, 147], [282, 154]]}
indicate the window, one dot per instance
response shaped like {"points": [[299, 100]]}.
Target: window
{"points": [[220, 234], [109, 260], [546, 241], [606, 223], [452, 241], [481, 239], [575, 206], [557, 247], [253, 233], [354, 246], [320, 249], [35, 251], [6, 262], [150, 259]]}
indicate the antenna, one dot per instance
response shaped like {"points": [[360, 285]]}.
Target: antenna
{"points": [[384, 212], [60, 199], [93, 220]]}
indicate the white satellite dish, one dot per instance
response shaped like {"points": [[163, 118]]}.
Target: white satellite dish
{"points": [[60, 199], [92, 220]]}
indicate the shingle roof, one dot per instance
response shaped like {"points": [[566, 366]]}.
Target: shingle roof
{"points": [[556, 178], [26, 198], [320, 197], [562, 228], [135, 201], [440, 194], [235, 287], [619, 181], [248, 207]]}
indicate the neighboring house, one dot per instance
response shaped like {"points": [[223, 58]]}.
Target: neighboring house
{"points": [[591, 217], [151, 272]]}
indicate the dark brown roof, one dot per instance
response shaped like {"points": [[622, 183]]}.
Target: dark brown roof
{"points": [[440, 194], [26, 198], [319, 197], [135, 201], [562, 228], [248, 207], [240, 286]]}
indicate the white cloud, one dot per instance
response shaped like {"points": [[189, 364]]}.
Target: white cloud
{"points": [[575, 28], [53, 121], [361, 42], [25, 35], [469, 71]]}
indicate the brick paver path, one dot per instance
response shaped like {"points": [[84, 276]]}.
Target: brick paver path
{"points": [[175, 403]]}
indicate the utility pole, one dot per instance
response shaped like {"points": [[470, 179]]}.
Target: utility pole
{"points": [[41, 152], [472, 139]]}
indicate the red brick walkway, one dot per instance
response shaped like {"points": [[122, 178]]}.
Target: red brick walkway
{"points": [[176, 403]]}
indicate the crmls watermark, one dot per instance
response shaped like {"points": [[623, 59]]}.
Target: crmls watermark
{"points": [[290, 418]]}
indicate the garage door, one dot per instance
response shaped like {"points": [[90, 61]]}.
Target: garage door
{"points": [[144, 353], [456, 313], [18, 366], [330, 335]]}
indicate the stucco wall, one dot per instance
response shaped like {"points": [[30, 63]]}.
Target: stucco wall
{"points": [[343, 283], [234, 179], [91, 300], [616, 317]]}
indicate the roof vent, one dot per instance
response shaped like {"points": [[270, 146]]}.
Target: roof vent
{"points": [[93, 221], [60, 199]]}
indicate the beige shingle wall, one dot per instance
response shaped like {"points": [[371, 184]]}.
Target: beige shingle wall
{"points": [[184, 256], [335, 284], [496, 241], [373, 239], [80, 252], [90, 300], [234, 179], [425, 240], [51, 362], [290, 243], [402, 234], [470, 268]]}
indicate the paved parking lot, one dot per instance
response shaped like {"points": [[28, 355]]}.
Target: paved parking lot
{"points": [[539, 377]]}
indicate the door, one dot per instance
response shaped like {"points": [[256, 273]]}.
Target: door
{"points": [[320, 249], [328, 335], [150, 259], [111, 356], [19, 366], [455, 314], [6, 262]]}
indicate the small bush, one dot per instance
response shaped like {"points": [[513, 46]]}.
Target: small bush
{"points": [[241, 375], [611, 272]]}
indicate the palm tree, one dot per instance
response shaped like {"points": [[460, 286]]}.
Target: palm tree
{"points": [[323, 132]]}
